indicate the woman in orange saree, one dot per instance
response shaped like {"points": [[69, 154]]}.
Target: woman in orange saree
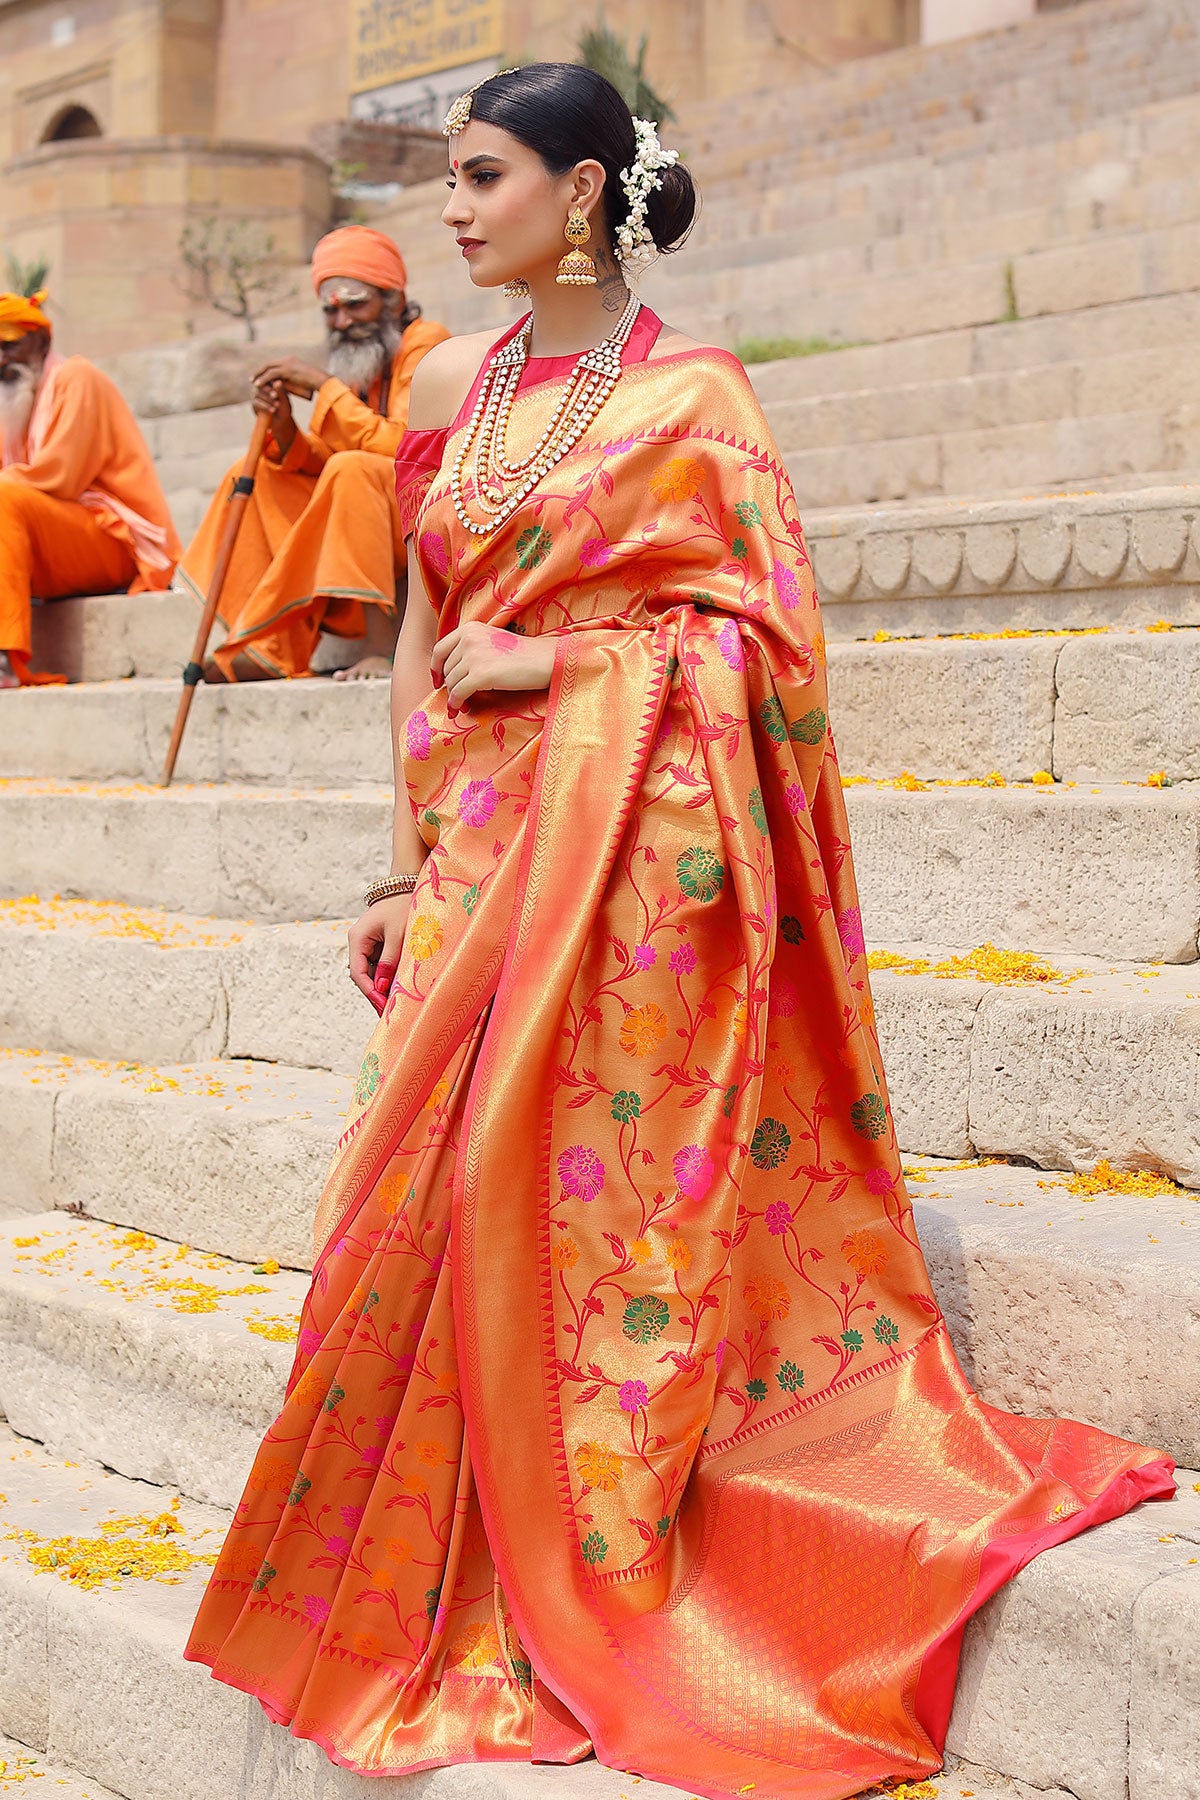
{"points": [[623, 1416]]}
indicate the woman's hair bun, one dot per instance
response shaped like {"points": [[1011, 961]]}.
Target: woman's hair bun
{"points": [[568, 113], [671, 209]]}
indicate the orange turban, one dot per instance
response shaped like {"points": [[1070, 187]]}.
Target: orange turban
{"points": [[20, 313], [359, 254]]}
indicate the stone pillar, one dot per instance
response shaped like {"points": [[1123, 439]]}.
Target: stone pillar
{"points": [[942, 19]]}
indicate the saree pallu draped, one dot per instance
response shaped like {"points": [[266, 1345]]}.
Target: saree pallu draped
{"points": [[623, 1415]]}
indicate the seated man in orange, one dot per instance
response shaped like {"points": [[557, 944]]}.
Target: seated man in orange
{"points": [[319, 548], [81, 509]]}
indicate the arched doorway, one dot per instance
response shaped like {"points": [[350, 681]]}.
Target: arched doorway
{"points": [[72, 122]]}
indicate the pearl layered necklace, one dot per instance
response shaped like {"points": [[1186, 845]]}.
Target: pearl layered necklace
{"points": [[484, 444]]}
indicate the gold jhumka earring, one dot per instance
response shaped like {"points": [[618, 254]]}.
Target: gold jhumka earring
{"points": [[576, 268], [516, 290]]}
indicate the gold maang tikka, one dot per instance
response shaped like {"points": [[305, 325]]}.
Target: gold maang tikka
{"points": [[459, 116]]}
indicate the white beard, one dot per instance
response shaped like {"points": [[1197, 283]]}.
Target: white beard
{"points": [[17, 400], [359, 361]]}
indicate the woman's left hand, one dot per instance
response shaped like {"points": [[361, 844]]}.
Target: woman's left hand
{"points": [[476, 659]]}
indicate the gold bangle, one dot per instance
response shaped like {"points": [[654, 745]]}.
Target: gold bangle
{"points": [[389, 888]]}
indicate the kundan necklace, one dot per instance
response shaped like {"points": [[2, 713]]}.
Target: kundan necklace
{"points": [[501, 484]]}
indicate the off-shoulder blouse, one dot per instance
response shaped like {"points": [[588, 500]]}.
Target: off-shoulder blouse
{"points": [[420, 454]]}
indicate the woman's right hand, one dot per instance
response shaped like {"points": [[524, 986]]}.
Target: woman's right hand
{"points": [[375, 943]]}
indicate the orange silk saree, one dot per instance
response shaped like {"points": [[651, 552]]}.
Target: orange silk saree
{"points": [[623, 1415]]}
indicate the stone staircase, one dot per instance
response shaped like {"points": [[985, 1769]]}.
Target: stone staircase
{"points": [[180, 1032], [1016, 692]]}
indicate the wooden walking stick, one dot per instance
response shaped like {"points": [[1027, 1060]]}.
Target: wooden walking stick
{"points": [[243, 487]]}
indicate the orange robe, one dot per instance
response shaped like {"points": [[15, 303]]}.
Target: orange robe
{"points": [[623, 1412], [319, 536], [81, 508]]}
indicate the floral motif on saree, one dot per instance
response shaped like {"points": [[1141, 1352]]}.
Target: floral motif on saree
{"points": [[623, 1414]]}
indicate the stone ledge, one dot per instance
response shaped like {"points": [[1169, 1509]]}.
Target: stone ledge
{"points": [[1039, 1288], [1111, 872], [1043, 563], [95, 1362], [311, 733], [1110, 706], [1071, 872], [228, 1156], [178, 990], [225, 851], [1106, 1067]]}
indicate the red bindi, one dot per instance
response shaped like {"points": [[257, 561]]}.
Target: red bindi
{"points": [[456, 165]]}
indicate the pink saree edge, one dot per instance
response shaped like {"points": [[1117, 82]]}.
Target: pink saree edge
{"points": [[933, 1700], [279, 1716]]}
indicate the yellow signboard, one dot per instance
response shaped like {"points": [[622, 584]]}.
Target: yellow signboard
{"points": [[395, 40]]}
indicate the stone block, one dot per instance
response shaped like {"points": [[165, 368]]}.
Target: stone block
{"points": [[1127, 705], [925, 1025], [111, 636], [1060, 1306], [1164, 1700], [29, 1086], [957, 710], [308, 733], [291, 999], [1114, 874], [229, 1157], [24, 1662], [312, 733], [230, 852], [1069, 1616], [1109, 1066], [92, 992]]}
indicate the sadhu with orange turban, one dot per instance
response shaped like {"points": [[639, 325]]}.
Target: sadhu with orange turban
{"points": [[81, 508], [319, 548]]}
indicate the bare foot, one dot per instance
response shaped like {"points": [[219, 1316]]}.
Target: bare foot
{"points": [[368, 668], [8, 675]]}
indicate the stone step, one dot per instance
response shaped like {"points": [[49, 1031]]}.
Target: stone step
{"points": [[775, 298], [1061, 562], [310, 732], [167, 1363], [1090, 336], [1101, 1062], [108, 637], [274, 854], [1106, 706], [1105, 871], [1032, 457], [19, 1763], [161, 1362], [177, 989], [1125, 174], [227, 1155], [1140, 381], [93, 1672], [204, 470], [965, 97]]}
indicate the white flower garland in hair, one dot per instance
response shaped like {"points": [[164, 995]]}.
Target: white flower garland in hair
{"points": [[635, 244]]}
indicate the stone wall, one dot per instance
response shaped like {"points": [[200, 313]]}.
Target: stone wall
{"points": [[141, 67], [108, 215]]}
